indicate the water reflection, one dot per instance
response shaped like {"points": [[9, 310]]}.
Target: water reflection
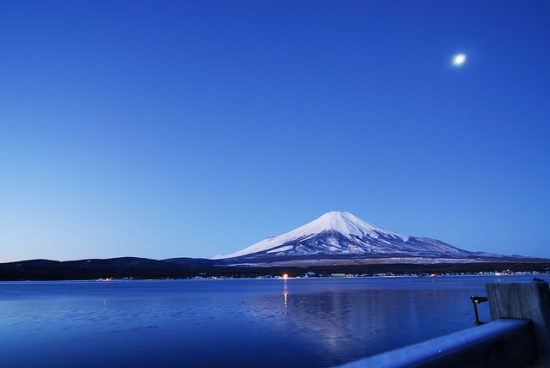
{"points": [[285, 293], [348, 324]]}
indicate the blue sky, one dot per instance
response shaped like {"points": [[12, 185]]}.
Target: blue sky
{"points": [[193, 128]]}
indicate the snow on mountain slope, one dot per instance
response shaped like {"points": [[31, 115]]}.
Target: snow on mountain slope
{"points": [[340, 234]]}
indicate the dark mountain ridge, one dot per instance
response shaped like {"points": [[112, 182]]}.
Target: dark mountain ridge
{"points": [[177, 268]]}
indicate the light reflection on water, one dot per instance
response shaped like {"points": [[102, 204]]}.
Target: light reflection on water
{"points": [[228, 323]]}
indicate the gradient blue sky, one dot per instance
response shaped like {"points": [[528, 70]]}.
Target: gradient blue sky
{"points": [[192, 128]]}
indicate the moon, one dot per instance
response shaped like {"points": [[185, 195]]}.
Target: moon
{"points": [[459, 59]]}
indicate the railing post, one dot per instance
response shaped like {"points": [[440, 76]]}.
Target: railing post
{"points": [[525, 301], [475, 301]]}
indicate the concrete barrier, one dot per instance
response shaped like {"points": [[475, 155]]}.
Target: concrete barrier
{"points": [[529, 301]]}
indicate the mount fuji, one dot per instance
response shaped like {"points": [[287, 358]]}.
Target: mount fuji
{"points": [[341, 238]]}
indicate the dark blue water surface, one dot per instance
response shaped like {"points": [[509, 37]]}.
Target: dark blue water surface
{"points": [[229, 323]]}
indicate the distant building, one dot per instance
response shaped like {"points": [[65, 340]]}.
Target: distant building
{"points": [[338, 275]]}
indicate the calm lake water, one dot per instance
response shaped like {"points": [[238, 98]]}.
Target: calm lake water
{"points": [[229, 323]]}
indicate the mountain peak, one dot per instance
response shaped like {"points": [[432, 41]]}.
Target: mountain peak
{"points": [[346, 224], [340, 222], [337, 219]]}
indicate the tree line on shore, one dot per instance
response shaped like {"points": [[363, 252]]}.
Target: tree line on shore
{"points": [[142, 268]]}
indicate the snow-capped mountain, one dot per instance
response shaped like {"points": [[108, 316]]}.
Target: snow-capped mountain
{"points": [[341, 235]]}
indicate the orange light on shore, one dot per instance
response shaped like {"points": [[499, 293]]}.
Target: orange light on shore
{"points": [[285, 276]]}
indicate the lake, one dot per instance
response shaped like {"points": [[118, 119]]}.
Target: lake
{"points": [[315, 322]]}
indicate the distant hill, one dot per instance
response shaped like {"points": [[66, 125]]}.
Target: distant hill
{"points": [[89, 269]]}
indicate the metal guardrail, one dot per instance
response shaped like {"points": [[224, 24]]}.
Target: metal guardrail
{"points": [[518, 336], [476, 347]]}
